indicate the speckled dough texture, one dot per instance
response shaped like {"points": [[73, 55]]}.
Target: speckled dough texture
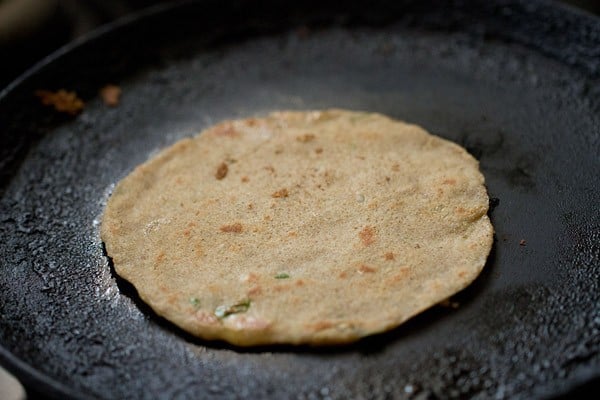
{"points": [[316, 227]]}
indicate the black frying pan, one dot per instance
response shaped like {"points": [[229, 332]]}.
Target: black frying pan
{"points": [[516, 82]]}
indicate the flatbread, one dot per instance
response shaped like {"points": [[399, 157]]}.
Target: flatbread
{"points": [[316, 227]]}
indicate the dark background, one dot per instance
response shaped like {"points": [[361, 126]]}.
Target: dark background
{"points": [[36, 30]]}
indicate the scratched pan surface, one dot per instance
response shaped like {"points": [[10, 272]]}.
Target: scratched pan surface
{"points": [[517, 83]]}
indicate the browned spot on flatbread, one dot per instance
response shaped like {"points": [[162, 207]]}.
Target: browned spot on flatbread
{"points": [[365, 269], [281, 288], [400, 276], [160, 257], [204, 318], [307, 137], [280, 193], [225, 130], [449, 181], [254, 291], [233, 228], [222, 171], [322, 325], [389, 256], [318, 150], [367, 235]]}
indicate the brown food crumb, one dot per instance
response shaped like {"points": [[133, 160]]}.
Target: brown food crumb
{"points": [[367, 235], [363, 268], [396, 167], [449, 181], [280, 193], [308, 137], [303, 31], [245, 179], [111, 94], [233, 228], [318, 150], [449, 304], [389, 256], [522, 242], [62, 101], [270, 169], [221, 171]]}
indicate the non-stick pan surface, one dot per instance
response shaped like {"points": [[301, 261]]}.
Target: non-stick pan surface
{"points": [[515, 82]]}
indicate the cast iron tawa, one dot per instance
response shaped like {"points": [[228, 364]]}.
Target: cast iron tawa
{"points": [[515, 82]]}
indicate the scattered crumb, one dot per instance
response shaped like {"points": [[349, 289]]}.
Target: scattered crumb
{"points": [[111, 94], [449, 181], [280, 193], [270, 169], [449, 304], [389, 256], [367, 235], [62, 101], [318, 150], [302, 32], [522, 242], [233, 228], [396, 167], [221, 171], [245, 179]]}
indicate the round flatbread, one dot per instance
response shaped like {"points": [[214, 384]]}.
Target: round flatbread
{"points": [[316, 227]]}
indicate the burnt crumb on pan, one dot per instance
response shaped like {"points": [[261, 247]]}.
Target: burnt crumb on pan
{"points": [[449, 304], [111, 95], [62, 101], [522, 242], [222, 171]]}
